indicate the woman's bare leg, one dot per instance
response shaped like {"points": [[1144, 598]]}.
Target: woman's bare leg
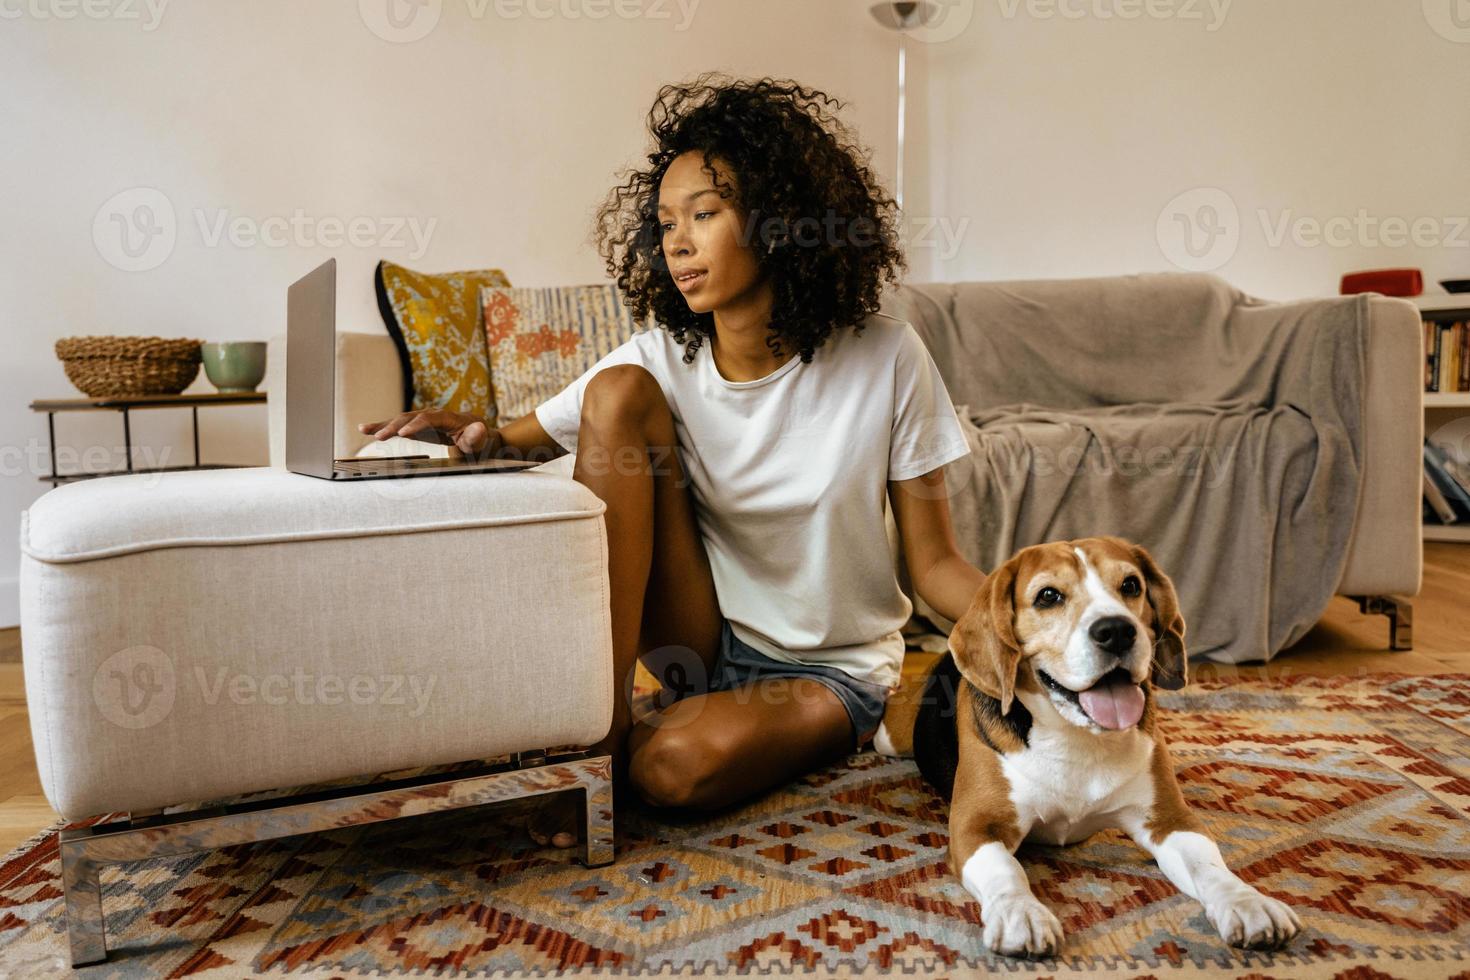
{"points": [[711, 750], [663, 595]]}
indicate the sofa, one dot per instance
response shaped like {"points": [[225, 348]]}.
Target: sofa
{"points": [[1267, 453], [1379, 564], [227, 637]]}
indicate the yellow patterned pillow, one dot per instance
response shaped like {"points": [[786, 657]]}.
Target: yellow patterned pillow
{"points": [[434, 319], [543, 339]]}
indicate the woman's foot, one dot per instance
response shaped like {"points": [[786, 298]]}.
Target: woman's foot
{"points": [[554, 822]]}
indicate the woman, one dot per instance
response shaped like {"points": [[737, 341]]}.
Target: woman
{"points": [[744, 447]]}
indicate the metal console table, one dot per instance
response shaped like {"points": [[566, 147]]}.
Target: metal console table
{"points": [[126, 404]]}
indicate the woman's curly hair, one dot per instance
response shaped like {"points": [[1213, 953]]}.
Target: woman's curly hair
{"points": [[799, 174]]}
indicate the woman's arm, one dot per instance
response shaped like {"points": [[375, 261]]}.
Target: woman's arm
{"points": [[524, 437], [939, 573], [467, 436]]}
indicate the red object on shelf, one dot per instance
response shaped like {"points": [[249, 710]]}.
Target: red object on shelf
{"points": [[1389, 282]]}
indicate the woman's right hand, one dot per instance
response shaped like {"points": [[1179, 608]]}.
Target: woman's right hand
{"points": [[467, 433]]}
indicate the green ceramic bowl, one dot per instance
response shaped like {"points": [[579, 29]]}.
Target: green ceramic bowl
{"points": [[234, 365]]}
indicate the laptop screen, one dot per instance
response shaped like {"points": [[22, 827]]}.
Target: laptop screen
{"points": [[311, 366]]}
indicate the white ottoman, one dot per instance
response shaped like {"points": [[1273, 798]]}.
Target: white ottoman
{"points": [[191, 636]]}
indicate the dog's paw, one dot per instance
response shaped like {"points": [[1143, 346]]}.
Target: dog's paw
{"points": [[1249, 919], [1021, 926]]}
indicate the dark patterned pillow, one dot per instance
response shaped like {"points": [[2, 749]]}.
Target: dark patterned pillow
{"points": [[434, 320]]}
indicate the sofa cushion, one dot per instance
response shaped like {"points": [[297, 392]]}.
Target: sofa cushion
{"points": [[434, 320], [542, 339], [143, 512], [1080, 343]]}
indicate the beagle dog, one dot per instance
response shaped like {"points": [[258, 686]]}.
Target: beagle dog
{"points": [[1040, 724]]}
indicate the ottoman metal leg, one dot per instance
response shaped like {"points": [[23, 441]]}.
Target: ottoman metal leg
{"points": [[1400, 613], [80, 878], [85, 850]]}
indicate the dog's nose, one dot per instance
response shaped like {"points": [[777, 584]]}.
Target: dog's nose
{"points": [[1113, 633]]}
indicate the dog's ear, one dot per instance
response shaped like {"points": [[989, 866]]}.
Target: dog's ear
{"points": [[1170, 663], [984, 639]]}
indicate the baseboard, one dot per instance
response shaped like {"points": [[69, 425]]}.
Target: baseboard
{"points": [[9, 602]]}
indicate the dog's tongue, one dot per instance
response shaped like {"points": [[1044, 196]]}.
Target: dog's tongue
{"points": [[1113, 702]]}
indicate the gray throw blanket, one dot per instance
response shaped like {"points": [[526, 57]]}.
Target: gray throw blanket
{"points": [[1222, 432]]}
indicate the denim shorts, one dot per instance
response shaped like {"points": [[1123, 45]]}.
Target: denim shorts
{"points": [[738, 663]]}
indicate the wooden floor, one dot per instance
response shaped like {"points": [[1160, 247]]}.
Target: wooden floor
{"points": [[23, 810], [1344, 642]]}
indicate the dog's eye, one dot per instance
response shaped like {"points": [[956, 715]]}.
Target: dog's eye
{"points": [[1131, 586], [1047, 597]]}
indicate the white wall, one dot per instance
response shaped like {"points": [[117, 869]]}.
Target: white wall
{"points": [[501, 126], [1062, 139]]}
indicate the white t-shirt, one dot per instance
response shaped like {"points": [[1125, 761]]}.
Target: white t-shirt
{"points": [[789, 478]]}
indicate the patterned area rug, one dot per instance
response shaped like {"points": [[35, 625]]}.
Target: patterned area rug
{"points": [[1348, 798]]}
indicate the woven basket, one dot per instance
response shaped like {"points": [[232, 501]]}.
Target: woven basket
{"points": [[109, 366]]}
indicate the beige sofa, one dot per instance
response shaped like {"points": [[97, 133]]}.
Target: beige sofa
{"points": [[1384, 554], [1309, 412]]}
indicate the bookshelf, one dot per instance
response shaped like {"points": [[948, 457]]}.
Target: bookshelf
{"points": [[1443, 407], [1447, 532]]}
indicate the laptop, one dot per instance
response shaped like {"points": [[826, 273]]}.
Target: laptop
{"points": [[311, 382]]}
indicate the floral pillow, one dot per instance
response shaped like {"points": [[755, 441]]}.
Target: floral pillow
{"points": [[542, 339], [434, 320]]}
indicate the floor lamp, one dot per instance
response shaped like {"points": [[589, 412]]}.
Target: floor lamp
{"points": [[903, 17]]}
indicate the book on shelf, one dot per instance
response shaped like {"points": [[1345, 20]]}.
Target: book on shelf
{"points": [[1450, 368], [1436, 506], [1446, 355], [1447, 495], [1454, 461]]}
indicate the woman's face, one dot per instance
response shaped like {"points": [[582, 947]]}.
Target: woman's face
{"points": [[703, 237]]}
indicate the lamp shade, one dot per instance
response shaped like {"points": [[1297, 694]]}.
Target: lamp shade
{"points": [[904, 15]]}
